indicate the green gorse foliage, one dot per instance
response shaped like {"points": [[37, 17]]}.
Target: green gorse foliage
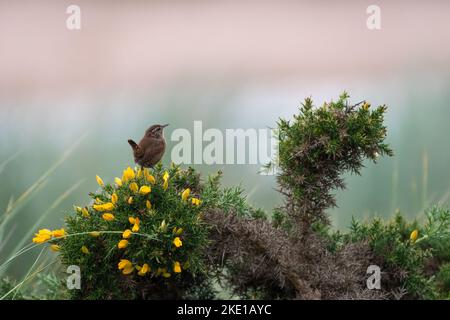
{"points": [[155, 230], [319, 145], [144, 237]]}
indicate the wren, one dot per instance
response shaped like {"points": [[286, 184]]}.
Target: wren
{"points": [[151, 148]]}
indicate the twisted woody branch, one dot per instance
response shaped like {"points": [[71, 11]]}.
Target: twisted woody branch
{"points": [[285, 258]]}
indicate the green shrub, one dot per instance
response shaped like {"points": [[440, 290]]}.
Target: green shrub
{"points": [[443, 280], [317, 146], [6, 286], [141, 237], [408, 253], [400, 258]]}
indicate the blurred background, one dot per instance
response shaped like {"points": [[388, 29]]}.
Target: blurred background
{"points": [[70, 99]]}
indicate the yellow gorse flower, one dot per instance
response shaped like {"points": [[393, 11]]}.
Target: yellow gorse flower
{"points": [[166, 180], [122, 244], [108, 216], [196, 201], [85, 213], [150, 178], [77, 209], [176, 267], [143, 270], [414, 235], [145, 190], [55, 247], [128, 174], [42, 236], [103, 207], [99, 181], [118, 181], [126, 266], [123, 263], [135, 222], [366, 106], [127, 270], [130, 200], [58, 233], [126, 234], [139, 173], [177, 242], [185, 194], [114, 198], [134, 187], [84, 249], [148, 204]]}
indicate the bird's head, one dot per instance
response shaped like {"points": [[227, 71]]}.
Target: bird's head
{"points": [[156, 131]]}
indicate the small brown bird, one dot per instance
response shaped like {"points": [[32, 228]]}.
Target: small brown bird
{"points": [[151, 147]]}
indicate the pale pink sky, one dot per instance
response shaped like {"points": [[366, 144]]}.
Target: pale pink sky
{"points": [[131, 45]]}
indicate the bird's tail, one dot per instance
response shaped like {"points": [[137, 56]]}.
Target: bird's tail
{"points": [[133, 145]]}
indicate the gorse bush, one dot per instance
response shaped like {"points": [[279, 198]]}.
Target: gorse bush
{"points": [[443, 281], [142, 236], [166, 233], [318, 146], [409, 253], [287, 258], [397, 250], [298, 255]]}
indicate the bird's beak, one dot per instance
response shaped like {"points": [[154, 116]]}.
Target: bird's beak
{"points": [[165, 125]]}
